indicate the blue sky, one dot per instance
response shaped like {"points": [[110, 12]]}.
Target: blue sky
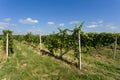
{"points": [[44, 16]]}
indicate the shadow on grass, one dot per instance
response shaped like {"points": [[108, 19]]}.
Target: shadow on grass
{"points": [[57, 57]]}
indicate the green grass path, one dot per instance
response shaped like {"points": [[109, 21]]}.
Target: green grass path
{"points": [[25, 64]]}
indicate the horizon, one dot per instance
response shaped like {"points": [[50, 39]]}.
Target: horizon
{"points": [[44, 16]]}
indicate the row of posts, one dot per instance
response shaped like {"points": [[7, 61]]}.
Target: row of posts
{"points": [[79, 41]]}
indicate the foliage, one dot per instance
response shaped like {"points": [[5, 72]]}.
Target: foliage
{"points": [[75, 38], [31, 38], [90, 39], [59, 41], [0, 37], [50, 43], [10, 39], [19, 37]]}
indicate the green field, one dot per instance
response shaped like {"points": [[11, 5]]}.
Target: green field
{"points": [[27, 64]]}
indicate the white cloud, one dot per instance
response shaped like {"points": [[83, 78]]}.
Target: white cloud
{"points": [[62, 24], [98, 22], [92, 26], [111, 26], [51, 23], [4, 25], [74, 22], [95, 24], [7, 19], [28, 21]]}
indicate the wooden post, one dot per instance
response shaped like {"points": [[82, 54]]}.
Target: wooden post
{"points": [[79, 60], [7, 45], [115, 46], [40, 43]]}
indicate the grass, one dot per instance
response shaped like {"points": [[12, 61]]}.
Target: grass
{"points": [[2, 52], [26, 64], [102, 65]]}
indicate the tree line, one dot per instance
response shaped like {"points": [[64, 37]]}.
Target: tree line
{"points": [[65, 39]]}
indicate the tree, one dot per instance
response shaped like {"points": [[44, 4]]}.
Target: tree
{"points": [[8, 34], [51, 43], [63, 42], [59, 41], [77, 44]]}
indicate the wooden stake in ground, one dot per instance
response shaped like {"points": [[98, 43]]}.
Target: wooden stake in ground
{"points": [[7, 45], [40, 43], [115, 46], [79, 40]]}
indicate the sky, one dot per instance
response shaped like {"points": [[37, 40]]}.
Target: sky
{"points": [[45, 16]]}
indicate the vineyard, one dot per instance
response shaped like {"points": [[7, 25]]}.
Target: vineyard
{"points": [[65, 55]]}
